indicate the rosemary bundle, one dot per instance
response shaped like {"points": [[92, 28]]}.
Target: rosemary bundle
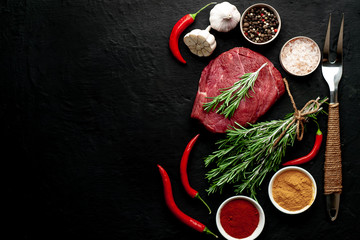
{"points": [[246, 155], [229, 98]]}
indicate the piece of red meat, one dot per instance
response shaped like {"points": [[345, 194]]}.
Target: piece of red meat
{"points": [[223, 72]]}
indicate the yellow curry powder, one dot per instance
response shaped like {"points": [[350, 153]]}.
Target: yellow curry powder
{"points": [[293, 190]]}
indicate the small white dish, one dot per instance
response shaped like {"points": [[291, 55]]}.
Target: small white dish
{"points": [[314, 189], [258, 229], [300, 56], [260, 5]]}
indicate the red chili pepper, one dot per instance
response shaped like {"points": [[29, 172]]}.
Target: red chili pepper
{"points": [[311, 155], [183, 172], [179, 27], [169, 199]]}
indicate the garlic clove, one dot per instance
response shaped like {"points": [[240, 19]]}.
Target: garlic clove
{"points": [[199, 47], [202, 38], [189, 41], [211, 39], [208, 51], [205, 52], [194, 38], [193, 50]]}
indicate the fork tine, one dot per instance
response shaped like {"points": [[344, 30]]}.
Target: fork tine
{"points": [[339, 51], [326, 50]]}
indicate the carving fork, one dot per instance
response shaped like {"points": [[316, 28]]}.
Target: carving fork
{"points": [[332, 72]]}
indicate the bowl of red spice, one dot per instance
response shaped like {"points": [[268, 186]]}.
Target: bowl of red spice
{"points": [[260, 24], [292, 190], [240, 217]]}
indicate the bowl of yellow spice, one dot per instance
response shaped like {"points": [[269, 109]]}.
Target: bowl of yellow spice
{"points": [[292, 190]]}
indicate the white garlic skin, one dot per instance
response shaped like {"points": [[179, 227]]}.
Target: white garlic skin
{"points": [[224, 17]]}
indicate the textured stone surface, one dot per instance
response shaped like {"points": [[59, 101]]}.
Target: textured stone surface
{"points": [[91, 100]]}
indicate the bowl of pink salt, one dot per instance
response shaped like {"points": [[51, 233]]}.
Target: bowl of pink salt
{"points": [[300, 56], [292, 190]]}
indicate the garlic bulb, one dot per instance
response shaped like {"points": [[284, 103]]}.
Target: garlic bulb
{"points": [[200, 42], [224, 17]]}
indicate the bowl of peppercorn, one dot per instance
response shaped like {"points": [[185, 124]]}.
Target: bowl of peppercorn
{"points": [[260, 24]]}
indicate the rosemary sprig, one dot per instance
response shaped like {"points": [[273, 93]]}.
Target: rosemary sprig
{"points": [[230, 97], [246, 155]]}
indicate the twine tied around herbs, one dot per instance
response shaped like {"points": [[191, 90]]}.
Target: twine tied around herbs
{"points": [[299, 116]]}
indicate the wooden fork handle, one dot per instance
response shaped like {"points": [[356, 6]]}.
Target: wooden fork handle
{"points": [[332, 166]]}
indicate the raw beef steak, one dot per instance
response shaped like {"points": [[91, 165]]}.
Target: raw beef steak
{"points": [[223, 72]]}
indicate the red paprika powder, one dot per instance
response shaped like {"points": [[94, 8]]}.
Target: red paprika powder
{"points": [[239, 218]]}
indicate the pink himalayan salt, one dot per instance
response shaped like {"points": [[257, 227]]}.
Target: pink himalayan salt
{"points": [[300, 56]]}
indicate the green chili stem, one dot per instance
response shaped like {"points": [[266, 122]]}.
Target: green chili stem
{"points": [[193, 15], [207, 231], [198, 197]]}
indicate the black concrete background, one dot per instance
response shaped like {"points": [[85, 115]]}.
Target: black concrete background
{"points": [[91, 100]]}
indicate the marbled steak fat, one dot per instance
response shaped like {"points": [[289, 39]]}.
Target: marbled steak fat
{"points": [[223, 72]]}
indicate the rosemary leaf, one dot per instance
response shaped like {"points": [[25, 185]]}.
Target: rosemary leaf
{"points": [[230, 97], [246, 155]]}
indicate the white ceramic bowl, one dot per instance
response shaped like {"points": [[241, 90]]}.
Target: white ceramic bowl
{"points": [[257, 5], [271, 186], [258, 229], [310, 43]]}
